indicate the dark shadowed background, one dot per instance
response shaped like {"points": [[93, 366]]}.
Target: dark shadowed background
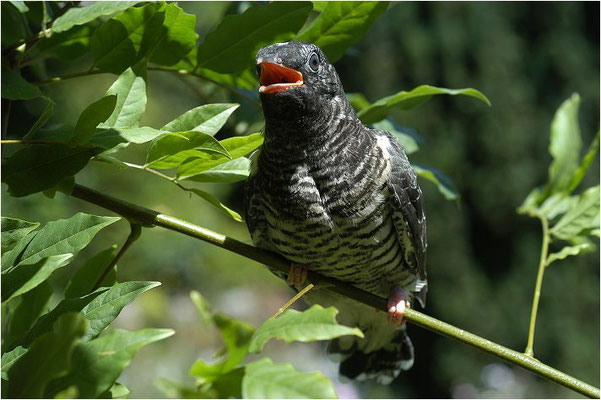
{"points": [[482, 257]]}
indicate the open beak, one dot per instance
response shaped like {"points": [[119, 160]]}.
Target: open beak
{"points": [[277, 78]]}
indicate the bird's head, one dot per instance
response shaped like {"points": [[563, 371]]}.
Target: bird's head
{"points": [[297, 80]]}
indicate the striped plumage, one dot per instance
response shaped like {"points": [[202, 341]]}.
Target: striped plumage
{"points": [[340, 199]]}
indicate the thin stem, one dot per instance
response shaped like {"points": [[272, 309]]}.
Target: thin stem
{"points": [[148, 217], [41, 141], [5, 117], [292, 300], [136, 230], [152, 171], [62, 78], [539, 283]]}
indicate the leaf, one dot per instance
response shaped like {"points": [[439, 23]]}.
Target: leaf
{"points": [[67, 45], [358, 101], [176, 390], [214, 201], [556, 205], [47, 358], [39, 167], [31, 305], [9, 259], [245, 79], [25, 277], [203, 308], [341, 24], [92, 116], [14, 26], [9, 358], [406, 140], [179, 36], [239, 146], [101, 311], [444, 184], [46, 115], [85, 278], [80, 16], [116, 138], [97, 364], [264, 379], [13, 230], [567, 251], [208, 119], [316, 323], [585, 163], [530, 204], [228, 172], [126, 39], [130, 89], [232, 45], [565, 144], [20, 5], [117, 391], [65, 236], [14, 87], [405, 100], [582, 216], [171, 149]]}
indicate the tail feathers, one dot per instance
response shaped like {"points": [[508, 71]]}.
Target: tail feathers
{"points": [[384, 364]]}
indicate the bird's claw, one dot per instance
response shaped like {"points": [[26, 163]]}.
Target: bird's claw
{"points": [[397, 304], [297, 275]]}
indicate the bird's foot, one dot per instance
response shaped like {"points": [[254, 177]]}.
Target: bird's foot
{"points": [[397, 303], [297, 275]]}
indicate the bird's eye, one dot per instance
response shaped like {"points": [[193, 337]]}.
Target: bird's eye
{"points": [[314, 62], [259, 68]]}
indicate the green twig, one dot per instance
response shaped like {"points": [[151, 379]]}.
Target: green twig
{"points": [[136, 230], [539, 282], [148, 217], [292, 300]]}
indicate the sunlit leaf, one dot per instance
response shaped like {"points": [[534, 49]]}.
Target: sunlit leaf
{"points": [[9, 358], [214, 201], [208, 118], [13, 230], [228, 172], [179, 37], [358, 101], [92, 116], [232, 45], [584, 215], [97, 364], [567, 251], [406, 100], [405, 139], [266, 380], [444, 184], [203, 308], [47, 358], [556, 205], [130, 89], [119, 137], [88, 274], [588, 158], [79, 16], [316, 323], [171, 149], [341, 24]]}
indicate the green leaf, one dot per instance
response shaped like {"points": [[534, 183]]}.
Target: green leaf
{"points": [[26, 276], [46, 115], [130, 89], [14, 87], [30, 306], [208, 119], [9, 358], [228, 172], [179, 36], [47, 358], [232, 46], [116, 138], [14, 26], [406, 100], [567, 251], [39, 167], [565, 144], [92, 116], [341, 24], [20, 5], [214, 201], [530, 204], [178, 391], [171, 149], [126, 39], [13, 230], [80, 16], [9, 259], [117, 391], [67, 45], [239, 146], [407, 142], [584, 215], [65, 236], [585, 163], [203, 308], [316, 323], [264, 379], [85, 278], [556, 205], [358, 101], [97, 364], [245, 79], [445, 185]]}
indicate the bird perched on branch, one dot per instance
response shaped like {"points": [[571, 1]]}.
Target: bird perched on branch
{"points": [[340, 199]]}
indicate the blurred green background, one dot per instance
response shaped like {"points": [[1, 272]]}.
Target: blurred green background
{"points": [[482, 257]]}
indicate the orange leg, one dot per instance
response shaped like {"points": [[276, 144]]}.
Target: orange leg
{"points": [[297, 275]]}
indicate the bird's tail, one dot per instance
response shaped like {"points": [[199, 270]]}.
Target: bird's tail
{"points": [[384, 364]]}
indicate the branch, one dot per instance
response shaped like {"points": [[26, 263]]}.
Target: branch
{"points": [[148, 217]]}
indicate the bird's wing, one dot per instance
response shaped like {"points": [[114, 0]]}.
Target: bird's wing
{"points": [[255, 219], [407, 206]]}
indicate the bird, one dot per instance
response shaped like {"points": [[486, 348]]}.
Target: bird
{"points": [[341, 199]]}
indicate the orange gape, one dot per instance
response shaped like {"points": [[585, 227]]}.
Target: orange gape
{"points": [[276, 78]]}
